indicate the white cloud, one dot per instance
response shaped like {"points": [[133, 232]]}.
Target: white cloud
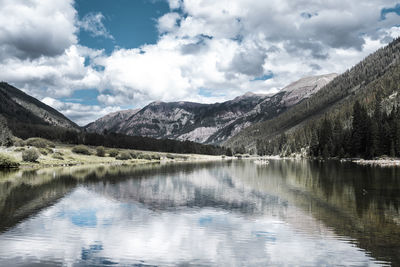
{"points": [[93, 23], [52, 76], [168, 22], [222, 46], [35, 28], [218, 47], [175, 4], [79, 113]]}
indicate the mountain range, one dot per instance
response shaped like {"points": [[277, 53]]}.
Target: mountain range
{"points": [[208, 123]]}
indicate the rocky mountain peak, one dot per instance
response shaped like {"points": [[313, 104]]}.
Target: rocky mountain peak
{"points": [[210, 123]]}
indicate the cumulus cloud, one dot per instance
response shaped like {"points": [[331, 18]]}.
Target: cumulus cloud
{"points": [[35, 28], [222, 47], [168, 22], [55, 76], [79, 113], [93, 23]]}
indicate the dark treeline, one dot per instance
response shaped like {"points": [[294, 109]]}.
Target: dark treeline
{"points": [[26, 130], [367, 134]]}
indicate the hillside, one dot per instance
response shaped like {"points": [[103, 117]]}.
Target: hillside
{"points": [[18, 106], [377, 76], [208, 123]]}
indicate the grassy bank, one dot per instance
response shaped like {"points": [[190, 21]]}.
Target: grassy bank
{"points": [[52, 155]]}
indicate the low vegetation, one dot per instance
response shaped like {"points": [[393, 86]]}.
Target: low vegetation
{"points": [[81, 149], [100, 151], [58, 155], [18, 142], [7, 162], [39, 142], [124, 156], [113, 152], [30, 155], [67, 155]]}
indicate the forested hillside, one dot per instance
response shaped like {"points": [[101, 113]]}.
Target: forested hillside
{"points": [[19, 107], [325, 122]]}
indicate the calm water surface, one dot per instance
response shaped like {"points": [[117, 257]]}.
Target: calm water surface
{"points": [[289, 213]]}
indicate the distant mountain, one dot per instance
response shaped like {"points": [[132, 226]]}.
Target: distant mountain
{"points": [[208, 123], [375, 79], [18, 107], [111, 121]]}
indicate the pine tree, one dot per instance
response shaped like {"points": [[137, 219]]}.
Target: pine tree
{"points": [[371, 138], [359, 133]]}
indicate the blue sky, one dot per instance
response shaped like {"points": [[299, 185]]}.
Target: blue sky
{"points": [[131, 23], [87, 58]]}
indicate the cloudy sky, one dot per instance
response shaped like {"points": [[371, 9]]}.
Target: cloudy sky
{"points": [[87, 58]]}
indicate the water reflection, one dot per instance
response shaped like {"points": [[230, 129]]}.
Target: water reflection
{"points": [[237, 213]]}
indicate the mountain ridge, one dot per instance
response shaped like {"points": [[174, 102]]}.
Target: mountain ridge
{"points": [[375, 75], [209, 123], [17, 105]]}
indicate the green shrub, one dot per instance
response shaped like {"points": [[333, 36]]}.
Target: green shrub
{"points": [[100, 151], [39, 142], [124, 155], [30, 155], [7, 162], [139, 155], [169, 156], [113, 152], [146, 156], [134, 154], [58, 155], [155, 157], [182, 157], [43, 151], [81, 149], [18, 141]]}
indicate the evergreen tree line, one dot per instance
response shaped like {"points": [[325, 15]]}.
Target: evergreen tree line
{"points": [[63, 135], [367, 135]]}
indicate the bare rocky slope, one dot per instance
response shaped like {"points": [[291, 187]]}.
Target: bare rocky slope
{"points": [[208, 123]]}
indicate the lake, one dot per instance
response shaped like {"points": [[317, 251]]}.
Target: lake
{"points": [[229, 213]]}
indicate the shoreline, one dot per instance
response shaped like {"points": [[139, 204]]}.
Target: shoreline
{"points": [[386, 162], [379, 162], [71, 159]]}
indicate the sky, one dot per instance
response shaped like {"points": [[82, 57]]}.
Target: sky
{"points": [[87, 58]]}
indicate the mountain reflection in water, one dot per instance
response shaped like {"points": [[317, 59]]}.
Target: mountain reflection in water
{"points": [[226, 213]]}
